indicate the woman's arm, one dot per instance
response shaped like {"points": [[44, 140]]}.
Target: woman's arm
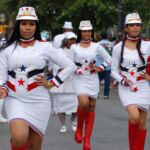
{"points": [[61, 60], [3, 74], [115, 66], [104, 54], [65, 63]]}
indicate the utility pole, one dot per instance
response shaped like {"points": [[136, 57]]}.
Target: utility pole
{"points": [[120, 17]]}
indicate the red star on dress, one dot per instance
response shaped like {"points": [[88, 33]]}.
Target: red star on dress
{"points": [[132, 73], [21, 82]]}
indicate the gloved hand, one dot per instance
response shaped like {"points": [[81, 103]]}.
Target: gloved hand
{"points": [[100, 68], [93, 68], [79, 71], [125, 82]]}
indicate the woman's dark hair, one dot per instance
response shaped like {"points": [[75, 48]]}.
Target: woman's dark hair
{"points": [[16, 35], [79, 36], [138, 46], [64, 43]]}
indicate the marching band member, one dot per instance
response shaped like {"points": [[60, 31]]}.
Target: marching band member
{"points": [[67, 27], [85, 80], [22, 63], [64, 97], [128, 64]]}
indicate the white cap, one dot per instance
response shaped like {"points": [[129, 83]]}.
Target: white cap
{"points": [[67, 25], [26, 13], [70, 35], [85, 25], [133, 18]]}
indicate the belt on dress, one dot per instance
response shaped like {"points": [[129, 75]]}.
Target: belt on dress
{"points": [[29, 74]]}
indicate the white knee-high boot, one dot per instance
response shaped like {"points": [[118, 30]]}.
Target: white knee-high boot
{"points": [[2, 119]]}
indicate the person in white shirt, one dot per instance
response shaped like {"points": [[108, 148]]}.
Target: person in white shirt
{"points": [[67, 27], [64, 97], [23, 59], [85, 80], [129, 61]]}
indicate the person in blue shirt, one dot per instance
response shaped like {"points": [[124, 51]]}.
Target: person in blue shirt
{"points": [[106, 73]]}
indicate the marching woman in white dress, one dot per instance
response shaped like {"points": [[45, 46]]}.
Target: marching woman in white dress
{"points": [[64, 97], [67, 27], [128, 68], [22, 62], [85, 80]]}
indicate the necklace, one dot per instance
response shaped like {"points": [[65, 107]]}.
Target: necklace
{"points": [[26, 41], [133, 38], [86, 41]]}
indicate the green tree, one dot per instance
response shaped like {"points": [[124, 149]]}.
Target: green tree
{"points": [[53, 13]]}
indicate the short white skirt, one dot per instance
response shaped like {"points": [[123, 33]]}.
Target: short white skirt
{"points": [[141, 98], [36, 114], [86, 85]]}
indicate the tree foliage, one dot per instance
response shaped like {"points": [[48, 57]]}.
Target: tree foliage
{"points": [[140, 6], [53, 13]]}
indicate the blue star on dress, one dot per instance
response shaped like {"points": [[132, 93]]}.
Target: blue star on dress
{"points": [[134, 65], [23, 68]]}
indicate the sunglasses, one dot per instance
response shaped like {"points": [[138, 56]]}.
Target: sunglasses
{"points": [[134, 24]]}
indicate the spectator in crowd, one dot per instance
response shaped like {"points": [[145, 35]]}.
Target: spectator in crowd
{"points": [[67, 27]]}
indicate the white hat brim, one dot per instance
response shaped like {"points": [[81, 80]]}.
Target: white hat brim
{"points": [[86, 28], [134, 21], [72, 37], [67, 27], [26, 18]]}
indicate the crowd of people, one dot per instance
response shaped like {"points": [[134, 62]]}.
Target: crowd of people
{"points": [[75, 64]]}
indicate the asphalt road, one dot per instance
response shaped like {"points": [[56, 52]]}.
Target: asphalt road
{"points": [[110, 129]]}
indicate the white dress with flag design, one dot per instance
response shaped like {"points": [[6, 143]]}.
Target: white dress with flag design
{"points": [[88, 82], [26, 100], [132, 67]]}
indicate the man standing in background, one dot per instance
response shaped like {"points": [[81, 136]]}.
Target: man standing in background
{"points": [[67, 27]]}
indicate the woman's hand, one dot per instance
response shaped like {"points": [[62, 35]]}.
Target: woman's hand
{"points": [[3, 93], [40, 80], [93, 67], [126, 82], [145, 76]]}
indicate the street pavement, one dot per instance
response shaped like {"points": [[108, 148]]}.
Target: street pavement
{"points": [[110, 129]]}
